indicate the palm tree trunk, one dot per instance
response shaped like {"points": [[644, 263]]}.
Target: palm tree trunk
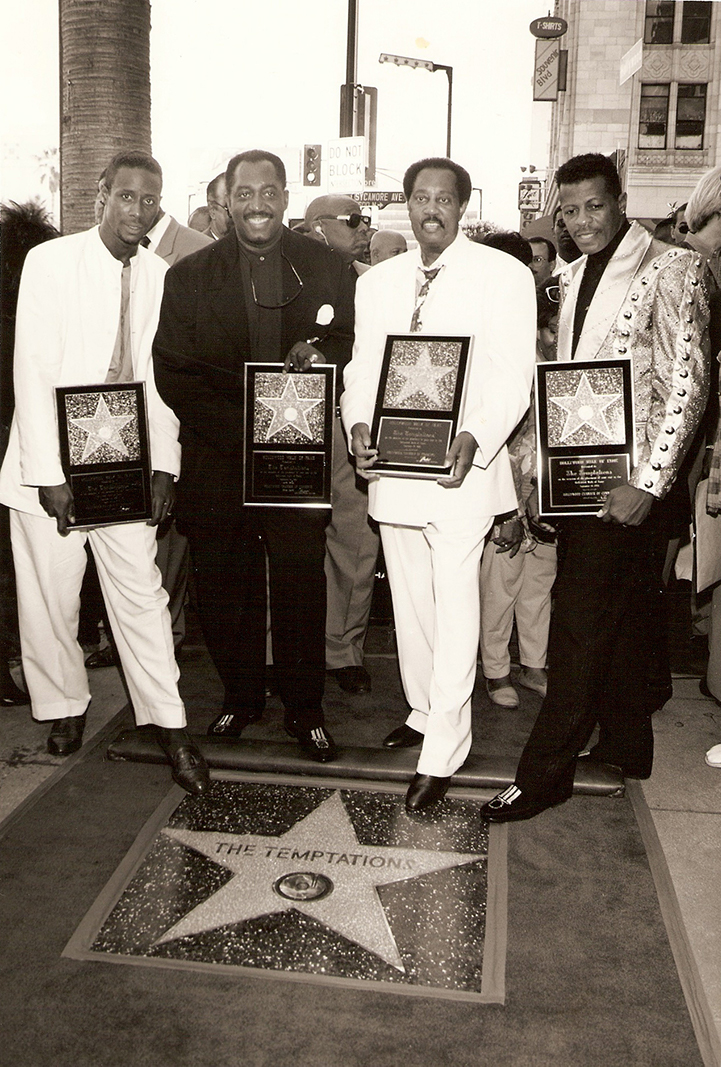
{"points": [[104, 96]]}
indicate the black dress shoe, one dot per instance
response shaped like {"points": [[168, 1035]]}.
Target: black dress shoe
{"points": [[188, 767], [425, 790], [66, 735], [403, 737], [11, 695], [512, 806], [104, 657], [316, 744], [352, 679], [231, 724], [628, 770]]}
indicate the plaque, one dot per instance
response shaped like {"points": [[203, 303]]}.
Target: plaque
{"points": [[288, 436], [585, 433], [418, 404], [104, 451]]}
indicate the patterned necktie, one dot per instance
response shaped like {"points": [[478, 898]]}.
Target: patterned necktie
{"points": [[416, 323]]}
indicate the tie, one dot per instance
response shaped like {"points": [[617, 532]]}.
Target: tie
{"points": [[416, 323], [145, 242]]}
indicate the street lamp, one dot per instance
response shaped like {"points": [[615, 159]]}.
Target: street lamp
{"points": [[425, 64]]}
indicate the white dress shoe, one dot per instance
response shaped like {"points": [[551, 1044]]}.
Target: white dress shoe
{"points": [[713, 756]]}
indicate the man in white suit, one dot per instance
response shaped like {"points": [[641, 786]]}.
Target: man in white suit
{"points": [[433, 531], [87, 312]]}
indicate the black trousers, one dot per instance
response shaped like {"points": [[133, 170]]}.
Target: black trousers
{"points": [[229, 564], [604, 628]]}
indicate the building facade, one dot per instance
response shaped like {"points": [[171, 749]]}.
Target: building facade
{"points": [[664, 121]]}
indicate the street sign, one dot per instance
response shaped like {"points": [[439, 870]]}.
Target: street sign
{"points": [[346, 164], [631, 61], [377, 196], [545, 75], [548, 27]]}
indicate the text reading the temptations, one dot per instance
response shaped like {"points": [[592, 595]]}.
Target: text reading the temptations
{"points": [[351, 859]]}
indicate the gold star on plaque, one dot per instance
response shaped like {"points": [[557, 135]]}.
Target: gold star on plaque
{"points": [[585, 408], [289, 409], [103, 430], [422, 377]]}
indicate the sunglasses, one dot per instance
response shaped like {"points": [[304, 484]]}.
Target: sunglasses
{"points": [[553, 292], [352, 221], [682, 227]]}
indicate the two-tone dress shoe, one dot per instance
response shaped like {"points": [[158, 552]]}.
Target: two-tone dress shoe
{"points": [[502, 692], [424, 790], [66, 735], [230, 724], [533, 678], [316, 744], [352, 679], [512, 806], [188, 767], [403, 737]]}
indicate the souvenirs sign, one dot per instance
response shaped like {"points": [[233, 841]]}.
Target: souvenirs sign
{"points": [[418, 404], [585, 433], [288, 436], [104, 451]]}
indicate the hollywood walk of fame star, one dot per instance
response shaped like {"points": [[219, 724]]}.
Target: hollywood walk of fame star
{"points": [[103, 430], [352, 908], [289, 409], [422, 377], [585, 408]]}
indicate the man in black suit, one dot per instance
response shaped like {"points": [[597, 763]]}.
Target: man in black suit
{"points": [[260, 294]]}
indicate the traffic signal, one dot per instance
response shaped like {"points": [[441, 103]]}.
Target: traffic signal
{"points": [[311, 164]]}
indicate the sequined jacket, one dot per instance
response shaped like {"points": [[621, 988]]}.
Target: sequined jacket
{"points": [[652, 306]]}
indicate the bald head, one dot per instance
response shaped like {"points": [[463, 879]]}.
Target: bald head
{"points": [[385, 244], [339, 222]]}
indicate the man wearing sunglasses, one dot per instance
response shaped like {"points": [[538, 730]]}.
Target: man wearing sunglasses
{"points": [[260, 294], [351, 542]]}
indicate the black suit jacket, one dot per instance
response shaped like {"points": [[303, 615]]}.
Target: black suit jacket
{"points": [[202, 343]]}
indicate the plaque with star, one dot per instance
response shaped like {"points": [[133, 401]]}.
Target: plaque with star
{"points": [[418, 404], [288, 436], [313, 882], [104, 450], [585, 433]]}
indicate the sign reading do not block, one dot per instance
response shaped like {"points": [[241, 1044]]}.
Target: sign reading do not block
{"points": [[346, 164]]}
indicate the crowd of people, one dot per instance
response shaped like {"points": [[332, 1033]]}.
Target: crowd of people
{"points": [[142, 298]]}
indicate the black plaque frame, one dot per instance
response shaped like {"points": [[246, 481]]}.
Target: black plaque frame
{"points": [[285, 467], [106, 491], [575, 475], [412, 441]]}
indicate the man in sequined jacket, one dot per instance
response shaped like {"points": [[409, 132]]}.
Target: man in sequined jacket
{"points": [[628, 296]]}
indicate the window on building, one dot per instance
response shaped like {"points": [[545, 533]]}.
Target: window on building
{"points": [[690, 116], [659, 21], [696, 23], [653, 118]]}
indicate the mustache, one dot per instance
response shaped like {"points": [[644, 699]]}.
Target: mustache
{"points": [[433, 218]]}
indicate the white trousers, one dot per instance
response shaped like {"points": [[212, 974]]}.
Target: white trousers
{"points": [[522, 587], [433, 573], [49, 571]]}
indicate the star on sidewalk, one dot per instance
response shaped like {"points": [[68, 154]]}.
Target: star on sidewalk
{"points": [[320, 850], [103, 430], [585, 408], [289, 409], [422, 377]]}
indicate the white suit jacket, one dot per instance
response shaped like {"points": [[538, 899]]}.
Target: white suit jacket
{"points": [[67, 323], [480, 292]]}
